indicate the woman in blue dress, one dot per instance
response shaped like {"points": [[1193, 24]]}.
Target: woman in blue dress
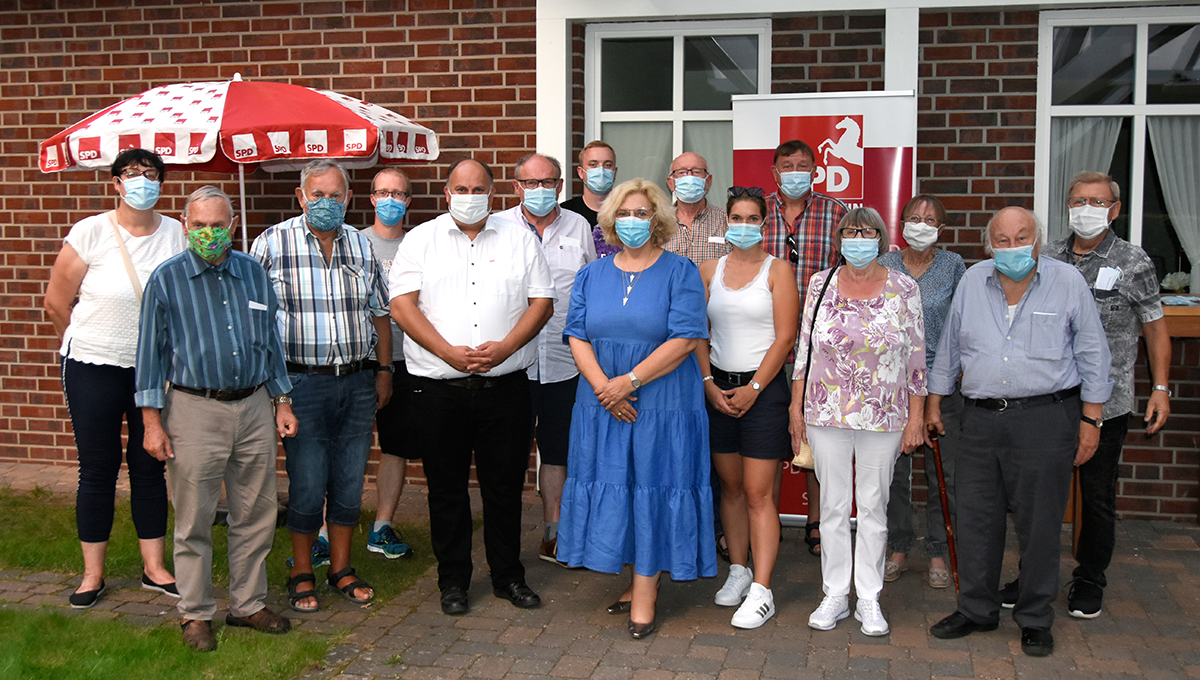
{"points": [[637, 489]]}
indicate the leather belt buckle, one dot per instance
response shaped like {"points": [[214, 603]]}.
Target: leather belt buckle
{"points": [[1003, 405]]}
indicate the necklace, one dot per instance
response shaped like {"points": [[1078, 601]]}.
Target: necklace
{"points": [[628, 288]]}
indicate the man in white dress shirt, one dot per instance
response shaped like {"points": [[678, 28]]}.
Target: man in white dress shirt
{"points": [[470, 291]]}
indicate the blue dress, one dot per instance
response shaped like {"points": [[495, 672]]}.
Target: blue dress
{"points": [[638, 493]]}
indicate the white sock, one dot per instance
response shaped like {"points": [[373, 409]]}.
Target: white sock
{"points": [[323, 533], [380, 523]]}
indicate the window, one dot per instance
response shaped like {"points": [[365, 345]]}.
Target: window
{"points": [[1119, 92], [656, 90]]}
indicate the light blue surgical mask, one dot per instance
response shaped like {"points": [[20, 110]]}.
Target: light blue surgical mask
{"points": [[744, 236], [141, 193], [690, 189], [632, 231], [325, 214], [860, 252], [540, 201], [600, 180], [1015, 263], [389, 210], [795, 184]]}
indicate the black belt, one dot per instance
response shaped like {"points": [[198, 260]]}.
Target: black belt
{"points": [[735, 379], [334, 369], [1022, 402], [219, 395], [478, 382]]}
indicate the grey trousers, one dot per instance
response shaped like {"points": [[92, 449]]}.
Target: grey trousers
{"points": [[1019, 458], [215, 442], [901, 534]]}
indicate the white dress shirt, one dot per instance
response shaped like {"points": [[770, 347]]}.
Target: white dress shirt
{"points": [[471, 292], [567, 244]]}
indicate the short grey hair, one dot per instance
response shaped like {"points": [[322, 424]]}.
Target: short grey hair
{"points": [[862, 218], [529, 156], [987, 231], [320, 167], [205, 193], [1093, 177]]}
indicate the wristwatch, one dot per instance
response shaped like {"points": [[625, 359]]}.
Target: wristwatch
{"points": [[390, 368], [634, 381], [283, 399], [1164, 388], [755, 386], [1098, 422]]}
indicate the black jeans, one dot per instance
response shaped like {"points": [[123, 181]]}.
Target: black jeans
{"points": [[99, 397], [1098, 489]]}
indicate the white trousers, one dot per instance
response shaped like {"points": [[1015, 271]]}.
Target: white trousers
{"points": [[853, 465]]}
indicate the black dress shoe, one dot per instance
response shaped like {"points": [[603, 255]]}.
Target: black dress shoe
{"points": [[957, 625], [519, 594], [87, 598], [620, 607], [637, 631], [454, 601], [1037, 641]]}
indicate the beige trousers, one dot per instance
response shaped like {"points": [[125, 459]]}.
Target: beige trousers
{"points": [[215, 442]]}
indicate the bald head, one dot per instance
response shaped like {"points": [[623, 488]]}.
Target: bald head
{"points": [[1013, 227]]}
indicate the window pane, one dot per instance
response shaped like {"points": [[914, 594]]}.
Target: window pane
{"points": [[635, 74], [643, 150], [1158, 233], [1093, 65], [1172, 75], [714, 141], [715, 67]]}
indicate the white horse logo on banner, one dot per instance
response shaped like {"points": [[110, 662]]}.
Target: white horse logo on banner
{"points": [[848, 147]]}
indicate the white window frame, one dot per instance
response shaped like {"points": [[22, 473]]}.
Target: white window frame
{"points": [[1140, 18], [678, 30]]}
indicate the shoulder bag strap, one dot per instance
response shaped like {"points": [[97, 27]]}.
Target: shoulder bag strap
{"points": [[811, 327], [133, 277]]}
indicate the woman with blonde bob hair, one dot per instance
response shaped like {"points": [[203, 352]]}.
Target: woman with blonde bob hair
{"points": [[637, 489]]}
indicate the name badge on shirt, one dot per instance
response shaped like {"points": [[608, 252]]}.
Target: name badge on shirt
{"points": [[568, 241], [1107, 277], [716, 239], [258, 305]]}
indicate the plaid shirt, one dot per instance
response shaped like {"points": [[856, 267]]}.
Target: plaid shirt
{"points": [[704, 239], [325, 308], [813, 231]]}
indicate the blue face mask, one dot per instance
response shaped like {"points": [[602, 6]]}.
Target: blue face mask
{"points": [[744, 236], [795, 184], [141, 193], [860, 252], [600, 180], [632, 231], [325, 214], [389, 210], [690, 189], [1015, 263], [540, 201]]}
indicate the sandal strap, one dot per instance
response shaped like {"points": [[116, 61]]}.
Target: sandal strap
{"points": [[350, 588], [301, 578], [334, 577]]}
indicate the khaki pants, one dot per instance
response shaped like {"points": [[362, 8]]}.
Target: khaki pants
{"points": [[215, 442]]}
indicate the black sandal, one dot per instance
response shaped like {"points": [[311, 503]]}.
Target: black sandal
{"points": [[722, 547], [814, 542], [347, 591], [294, 596]]}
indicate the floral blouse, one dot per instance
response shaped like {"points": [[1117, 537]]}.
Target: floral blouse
{"points": [[868, 355]]}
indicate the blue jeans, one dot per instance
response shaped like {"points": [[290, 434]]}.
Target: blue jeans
{"points": [[1098, 488], [327, 458]]}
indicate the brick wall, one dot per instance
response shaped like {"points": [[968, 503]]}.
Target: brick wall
{"points": [[827, 53]]}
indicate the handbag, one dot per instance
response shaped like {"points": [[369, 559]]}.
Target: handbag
{"points": [[803, 458]]}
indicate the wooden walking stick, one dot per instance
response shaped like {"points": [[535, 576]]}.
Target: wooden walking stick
{"points": [[941, 479]]}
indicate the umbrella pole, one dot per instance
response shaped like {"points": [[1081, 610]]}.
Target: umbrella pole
{"points": [[242, 191], [941, 478]]}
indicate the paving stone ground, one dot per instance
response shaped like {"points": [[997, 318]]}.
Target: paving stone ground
{"points": [[1150, 626]]}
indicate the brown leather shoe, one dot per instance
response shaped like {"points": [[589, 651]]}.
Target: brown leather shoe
{"points": [[198, 635], [263, 620]]}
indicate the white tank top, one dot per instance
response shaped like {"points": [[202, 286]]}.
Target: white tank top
{"points": [[743, 321]]}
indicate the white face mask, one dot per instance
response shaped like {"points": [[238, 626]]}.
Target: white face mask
{"points": [[1088, 221], [469, 208], [919, 235]]}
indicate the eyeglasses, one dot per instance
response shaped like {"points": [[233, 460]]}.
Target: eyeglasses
{"points": [[931, 221], [1080, 201], [549, 183], [738, 192], [684, 172], [793, 249], [855, 232], [384, 193], [151, 174], [640, 213]]}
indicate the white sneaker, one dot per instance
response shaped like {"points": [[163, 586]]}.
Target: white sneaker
{"points": [[758, 607], [871, 615], [736, 586], [833, 609]]}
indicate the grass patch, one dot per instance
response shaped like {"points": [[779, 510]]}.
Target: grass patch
{"points": [[37, 645]]}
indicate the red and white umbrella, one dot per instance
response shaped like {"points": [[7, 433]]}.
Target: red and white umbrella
{"points": [[235, 125]]}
